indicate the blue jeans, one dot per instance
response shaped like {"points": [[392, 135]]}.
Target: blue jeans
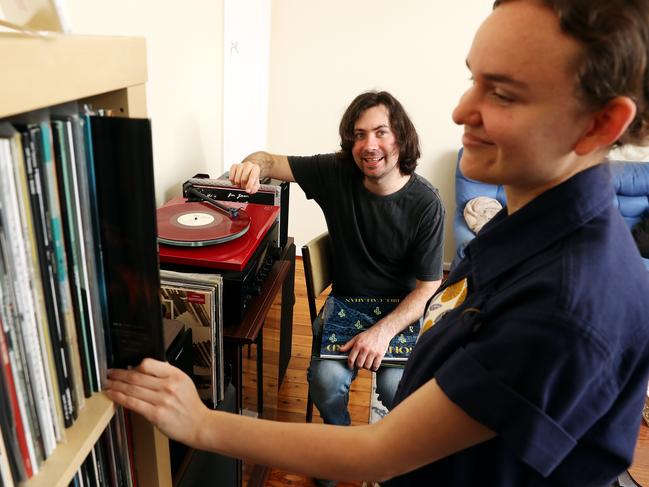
{"points": [[330, 380]]}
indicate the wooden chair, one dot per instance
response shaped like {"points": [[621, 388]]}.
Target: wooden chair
{"points": [[316, 256]]}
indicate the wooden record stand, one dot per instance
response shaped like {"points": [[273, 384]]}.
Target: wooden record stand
{"points": [[266, 322], [266, 326]]}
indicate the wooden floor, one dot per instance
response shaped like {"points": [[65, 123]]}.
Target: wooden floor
{"points": [[293, 394], [640, 468], [292, 397]]}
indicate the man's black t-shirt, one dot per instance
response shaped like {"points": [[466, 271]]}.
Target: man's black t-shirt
{"points": [[381, 244]]}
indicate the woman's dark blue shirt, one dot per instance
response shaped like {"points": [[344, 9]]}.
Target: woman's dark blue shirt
{"points": [[549, 348]]}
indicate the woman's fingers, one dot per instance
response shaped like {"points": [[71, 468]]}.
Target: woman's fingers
{"points": [[136, 385], [132, 403], [156, 368]]}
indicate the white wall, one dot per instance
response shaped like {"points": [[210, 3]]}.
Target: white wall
{"points": [[325, 53], [322, 54], [185, 66], [246, 53]]}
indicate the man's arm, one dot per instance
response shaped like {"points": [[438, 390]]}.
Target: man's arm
{"points": [[366, 350], [257, 166]]}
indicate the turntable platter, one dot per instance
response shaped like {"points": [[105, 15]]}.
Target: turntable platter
{"points": [[198, 225]]}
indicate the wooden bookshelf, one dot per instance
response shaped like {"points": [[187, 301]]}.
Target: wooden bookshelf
{"points": [[59, 468], [109, 73], [38, 72]]}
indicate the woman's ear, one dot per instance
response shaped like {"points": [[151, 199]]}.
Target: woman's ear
{"points": [[607, 126]]}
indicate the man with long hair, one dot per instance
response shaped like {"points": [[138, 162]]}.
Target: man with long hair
{"points": [[386, 228]]}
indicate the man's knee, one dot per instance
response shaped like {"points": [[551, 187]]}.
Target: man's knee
{"points": [[328, 377], [387, 382]]}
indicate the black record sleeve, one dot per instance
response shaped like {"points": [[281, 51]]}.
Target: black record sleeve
{"points": [[123, 163]]}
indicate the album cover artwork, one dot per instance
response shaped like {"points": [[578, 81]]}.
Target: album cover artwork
{"points": [[344, 317], [196, 306]]}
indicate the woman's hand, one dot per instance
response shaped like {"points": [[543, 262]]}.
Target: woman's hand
{"points": [[164, 395]]}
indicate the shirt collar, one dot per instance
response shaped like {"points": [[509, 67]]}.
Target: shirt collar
{"points": [[507, 240]]}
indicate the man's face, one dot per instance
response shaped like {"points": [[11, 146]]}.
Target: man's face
{"points": [[521, 115], [375, 149]]}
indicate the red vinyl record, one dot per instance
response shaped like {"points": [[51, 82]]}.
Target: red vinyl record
{"points": [[198, 224]]}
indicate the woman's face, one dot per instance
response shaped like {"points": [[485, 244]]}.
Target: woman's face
{"points": [[521, 116]]}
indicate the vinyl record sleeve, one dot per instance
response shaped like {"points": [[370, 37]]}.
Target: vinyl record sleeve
{"points": [[60, 334], [28, 341], [76, 317], [47, 290], [69, 191], [344, 317], [79, 265], [195, 306], [14, 431], [123, 165], [204, 317], [100, 332]]}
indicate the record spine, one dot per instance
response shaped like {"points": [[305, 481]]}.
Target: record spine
{"points": [[46, 259], [93, 351], [75, 145], [76, 319], [28, 341], [30, 231], [49, 167], [23, 469], [101, 336]]}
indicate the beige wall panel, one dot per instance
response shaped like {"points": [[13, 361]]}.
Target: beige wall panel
{"points": [[325, 53]]}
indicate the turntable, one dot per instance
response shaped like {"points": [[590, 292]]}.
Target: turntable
{"points": [[243, 261], [208, 239], [196, 225]]}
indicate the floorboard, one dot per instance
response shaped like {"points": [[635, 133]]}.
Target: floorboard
{"points": [[293, 392]]}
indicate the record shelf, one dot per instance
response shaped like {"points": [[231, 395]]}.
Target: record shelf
{"points": [[109, 72]]}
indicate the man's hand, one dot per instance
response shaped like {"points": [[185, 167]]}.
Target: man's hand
{"points": [[246, 176], [366, 350], [258, 166], [164, 395]]}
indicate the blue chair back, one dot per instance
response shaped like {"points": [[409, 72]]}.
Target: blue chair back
{"points": [[630, 180], [631, 183]]}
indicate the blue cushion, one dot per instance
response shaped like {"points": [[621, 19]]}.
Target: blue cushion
{"points": [[630, 180]]}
